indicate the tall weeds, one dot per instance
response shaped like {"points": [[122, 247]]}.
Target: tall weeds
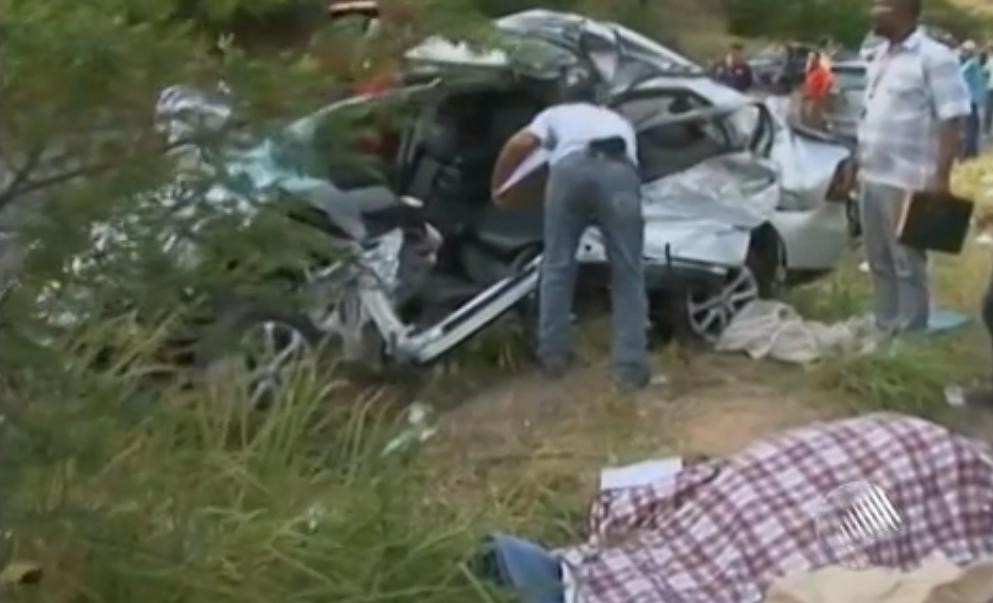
{"points": [[121, 491]]}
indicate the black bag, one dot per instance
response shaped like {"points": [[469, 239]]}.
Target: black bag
{"points": [[614, 147], [935, 222]]}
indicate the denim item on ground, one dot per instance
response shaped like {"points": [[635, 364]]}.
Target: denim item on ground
{"points": [[899, 273], [528, 570], [585, 190]]}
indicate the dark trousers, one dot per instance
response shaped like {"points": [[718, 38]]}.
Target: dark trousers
{"points": [[970, 143], [586, 190], [988, 310], [988, 114]]}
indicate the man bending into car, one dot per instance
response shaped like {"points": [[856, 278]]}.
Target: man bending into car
{"points": [[593, 180]]}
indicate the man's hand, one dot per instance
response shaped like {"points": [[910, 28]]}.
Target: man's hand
{"points": [[984, 217], [941, 183], [949, 135]]}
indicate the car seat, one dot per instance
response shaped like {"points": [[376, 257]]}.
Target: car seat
{"points": [[436, 174], [508, 229]]}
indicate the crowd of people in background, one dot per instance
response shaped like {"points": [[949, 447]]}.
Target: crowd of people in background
{"points": [[976, 72], [811, 91]]}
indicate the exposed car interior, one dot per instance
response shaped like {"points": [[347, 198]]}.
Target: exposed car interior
{"points": [[442, 150], [669, 148], [448, 163]]}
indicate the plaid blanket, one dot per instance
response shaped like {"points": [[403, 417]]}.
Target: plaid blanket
{"points": [[723, 531]]}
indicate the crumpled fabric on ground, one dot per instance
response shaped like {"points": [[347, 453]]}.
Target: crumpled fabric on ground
{"points": [[725, 530], [937, 581], [771, 329]]}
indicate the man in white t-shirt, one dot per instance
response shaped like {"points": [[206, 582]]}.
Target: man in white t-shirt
{"points": [[593, 180]]}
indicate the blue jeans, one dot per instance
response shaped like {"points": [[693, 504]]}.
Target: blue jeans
{"points": [[585, 190], [899, 273]]}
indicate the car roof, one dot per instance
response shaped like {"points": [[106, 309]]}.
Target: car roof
{"points": [[563, 28], [716, 93]]}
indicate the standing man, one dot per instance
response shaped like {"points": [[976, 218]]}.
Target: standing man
{"points": [[593, 180], [916, 100], [975, 79], [734, 71]]}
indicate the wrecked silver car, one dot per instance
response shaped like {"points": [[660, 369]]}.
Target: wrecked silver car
{"points": [[736, 203]]}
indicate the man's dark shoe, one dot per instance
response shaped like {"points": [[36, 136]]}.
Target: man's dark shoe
{"points": [[632, 382], [979, 398], [555, 369]]}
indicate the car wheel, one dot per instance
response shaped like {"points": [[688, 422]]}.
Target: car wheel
{"points": [[260, 346], [363, 349], [709, 313], [767, 262], [854, 220]]}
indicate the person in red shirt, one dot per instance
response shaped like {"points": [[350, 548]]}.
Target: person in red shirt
{"points": [[817, 87]]}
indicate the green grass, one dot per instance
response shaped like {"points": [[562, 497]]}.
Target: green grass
{"points": [[197, 499], [123, 490], [912, 374]]}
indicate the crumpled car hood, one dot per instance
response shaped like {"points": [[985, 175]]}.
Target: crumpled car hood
{"points": [[705, 213], [807, 164]]}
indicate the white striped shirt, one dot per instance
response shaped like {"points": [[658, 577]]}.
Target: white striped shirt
{"points": [[912, 88]]}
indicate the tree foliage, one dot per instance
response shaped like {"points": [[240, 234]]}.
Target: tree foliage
{"points": [[846, 21], [89, 186]]}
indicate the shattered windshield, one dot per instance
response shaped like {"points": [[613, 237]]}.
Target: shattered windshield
{"points": [[667, 145], [523, 55], [637, 52]]}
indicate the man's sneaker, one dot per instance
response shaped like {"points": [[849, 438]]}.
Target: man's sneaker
{"points": [[631, 383], [555, 369], [960, 397]]}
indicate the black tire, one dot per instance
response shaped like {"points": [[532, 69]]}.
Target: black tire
{"points": [[766, 265], [854, 220], [234, 320], [219, 341], [767, 261]]}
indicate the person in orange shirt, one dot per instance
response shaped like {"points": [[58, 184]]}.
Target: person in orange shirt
{"points": [[817, 87]]}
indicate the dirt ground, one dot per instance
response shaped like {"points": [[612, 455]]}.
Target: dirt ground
{"points": [[532, 436], [530, 448]]}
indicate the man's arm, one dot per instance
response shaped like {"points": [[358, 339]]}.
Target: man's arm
{"points": [[952, 102], [514, 152], [949, 138]]}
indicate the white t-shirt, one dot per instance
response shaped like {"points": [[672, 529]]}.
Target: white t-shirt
{"points": [[565, 129]]}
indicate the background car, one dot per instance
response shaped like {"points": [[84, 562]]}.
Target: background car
{"points": [[781, 65], [847, 98]]}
